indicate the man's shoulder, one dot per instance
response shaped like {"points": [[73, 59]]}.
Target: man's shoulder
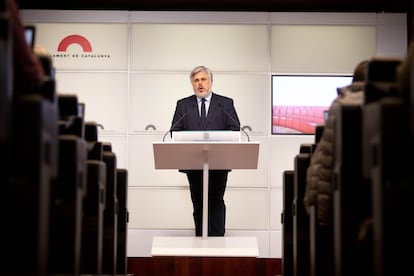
{"points": [[188, 99], [221, 97]]}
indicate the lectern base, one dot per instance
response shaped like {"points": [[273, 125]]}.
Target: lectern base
{"points": [[205, 247]]}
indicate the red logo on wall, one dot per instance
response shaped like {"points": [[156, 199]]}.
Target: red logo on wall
{"points": [[64, 52], [74, 39]]}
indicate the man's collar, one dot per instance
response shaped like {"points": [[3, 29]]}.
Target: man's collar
{"points": [[208, 98]]}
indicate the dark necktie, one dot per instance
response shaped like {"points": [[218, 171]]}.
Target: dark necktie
{"points": [[203, 109]]}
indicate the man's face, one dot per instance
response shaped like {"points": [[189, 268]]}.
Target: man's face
{"points": [[201, 84]]}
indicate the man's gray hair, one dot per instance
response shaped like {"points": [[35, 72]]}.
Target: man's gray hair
{"points": [[199, 69]]}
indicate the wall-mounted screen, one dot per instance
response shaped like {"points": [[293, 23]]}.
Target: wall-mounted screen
{"points": [[300, 102]]}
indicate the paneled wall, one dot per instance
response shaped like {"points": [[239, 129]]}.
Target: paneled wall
{"points": [[137, 66]]}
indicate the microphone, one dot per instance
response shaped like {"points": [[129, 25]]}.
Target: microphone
{"points": [[234, 120], [174, 125]]}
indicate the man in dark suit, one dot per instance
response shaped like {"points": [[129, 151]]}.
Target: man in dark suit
{"points": [[220, 114]]}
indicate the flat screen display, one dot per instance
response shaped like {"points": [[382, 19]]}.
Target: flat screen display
{"points": [[300, 102]]}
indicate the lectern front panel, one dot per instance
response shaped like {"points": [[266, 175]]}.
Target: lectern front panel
{"points": [[218, 155]]}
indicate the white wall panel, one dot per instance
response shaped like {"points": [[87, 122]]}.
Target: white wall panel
{"points": [[276, 208], [79, 16], [105, 96], [283, 149], [160, 208], [184, 46], [206, 17], [391, 28], [323, 18], [320, 49], [154, 97], [247, 208]]}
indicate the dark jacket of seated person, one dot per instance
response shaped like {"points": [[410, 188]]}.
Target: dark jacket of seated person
{"points": [[320, 171]]}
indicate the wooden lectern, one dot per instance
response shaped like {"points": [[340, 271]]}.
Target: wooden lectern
{"points": [[206, 155]]}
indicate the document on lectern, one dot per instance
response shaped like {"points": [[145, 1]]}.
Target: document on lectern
{"points": [[206, 136]]}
